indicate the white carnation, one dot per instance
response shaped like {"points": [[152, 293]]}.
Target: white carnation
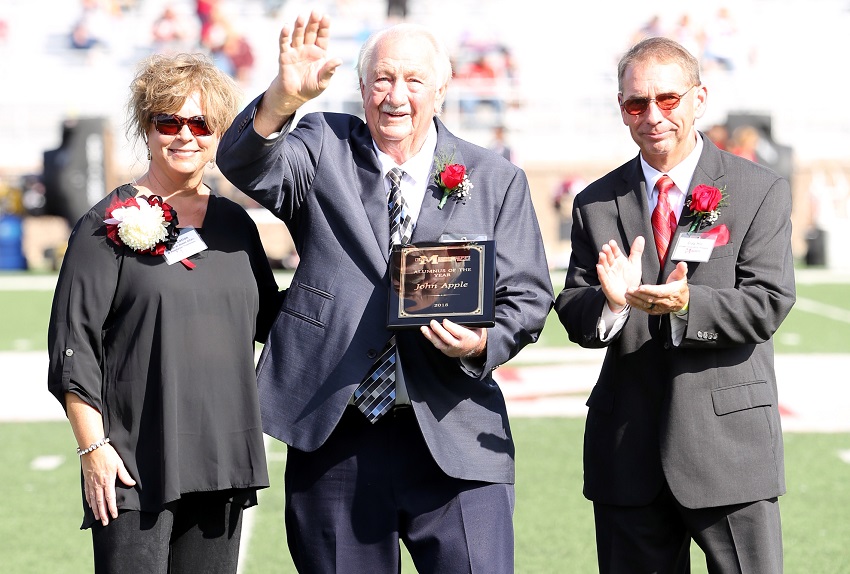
{"points": [[142, 227]]}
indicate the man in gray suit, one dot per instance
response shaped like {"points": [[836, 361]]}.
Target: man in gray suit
{"points": [[437, 469], [682, 439]]}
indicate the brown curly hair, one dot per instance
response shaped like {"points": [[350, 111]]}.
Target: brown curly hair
{"points": [[164, 82]]}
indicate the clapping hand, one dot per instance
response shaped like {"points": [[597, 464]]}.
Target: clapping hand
{"points": [[618, 273], [670, 297]]}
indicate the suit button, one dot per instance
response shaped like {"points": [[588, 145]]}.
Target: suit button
{"points": [[699, 334], [371, 353]]}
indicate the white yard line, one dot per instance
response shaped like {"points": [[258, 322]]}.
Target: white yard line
{"points": [[822, 309], [249, 518]]}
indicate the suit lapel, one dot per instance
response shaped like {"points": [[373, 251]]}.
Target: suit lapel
{"points": [[373, 195], [432, 221], [709, 171], [633, 207], [374, 199]]}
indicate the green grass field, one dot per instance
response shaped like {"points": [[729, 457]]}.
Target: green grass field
{"points": [[41, 509], [807, 329]]}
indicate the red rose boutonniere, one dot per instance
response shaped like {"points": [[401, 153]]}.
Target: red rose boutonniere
{"points": [[453, 179], [705, 202], [145, 224]]}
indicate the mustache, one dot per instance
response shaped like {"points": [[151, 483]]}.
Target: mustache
{"points": [[389, 109]]}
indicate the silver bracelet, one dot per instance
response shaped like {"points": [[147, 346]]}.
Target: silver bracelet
{"points": [[93, 446]]}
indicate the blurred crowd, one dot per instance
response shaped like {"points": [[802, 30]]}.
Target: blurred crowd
{"points": [[208, 29], [486, 77], [496, 98], [112, 35], [717, 42]]}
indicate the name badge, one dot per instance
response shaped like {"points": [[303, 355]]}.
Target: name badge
{"points": [[188, 243], [692, 247]]}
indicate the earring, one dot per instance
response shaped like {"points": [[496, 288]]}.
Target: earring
{"points": [[211, 164], [149, 154]]}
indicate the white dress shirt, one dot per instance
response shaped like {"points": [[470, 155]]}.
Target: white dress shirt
{"points": [[414, 184]]}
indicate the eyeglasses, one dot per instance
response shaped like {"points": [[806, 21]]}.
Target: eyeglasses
{"points": [[171, 124], [666, 102]]}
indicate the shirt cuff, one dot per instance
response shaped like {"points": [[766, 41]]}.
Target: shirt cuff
{"points": [[274, 135], [678, 325], [615, 320]]}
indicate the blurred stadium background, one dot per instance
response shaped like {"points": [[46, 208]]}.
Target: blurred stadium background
{"points": [[771, 64], [62, 147]]}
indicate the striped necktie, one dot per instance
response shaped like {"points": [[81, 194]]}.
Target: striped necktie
{"points": [[663, 220], [401, 226], [375, 395]]}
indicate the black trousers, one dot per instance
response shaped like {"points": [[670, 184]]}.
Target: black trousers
{"points": [[736, 539], [350, 502], [198, 533]]}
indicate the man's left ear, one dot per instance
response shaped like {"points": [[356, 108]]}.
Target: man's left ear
{"points": [[700, 101], [440, 98]]}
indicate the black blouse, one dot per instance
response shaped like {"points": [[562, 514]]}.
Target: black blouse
{"points": [[166, 353]]}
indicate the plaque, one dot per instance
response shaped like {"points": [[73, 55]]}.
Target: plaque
{"points": [[454, 281]]}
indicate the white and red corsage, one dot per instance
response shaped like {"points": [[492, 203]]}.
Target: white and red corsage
{"points": [[145, 224]]}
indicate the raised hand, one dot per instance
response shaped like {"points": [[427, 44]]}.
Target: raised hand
{"points": [[304, 70], [618, 273]]}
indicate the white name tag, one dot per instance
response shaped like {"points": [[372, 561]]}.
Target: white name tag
{"points": [[188, 244], [692, 247]]}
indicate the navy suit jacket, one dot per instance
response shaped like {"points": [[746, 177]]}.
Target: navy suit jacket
{"points": [[703, 416], [323, 179]]}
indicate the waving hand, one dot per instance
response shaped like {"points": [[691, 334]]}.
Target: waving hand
{"points": [[304, 71]]}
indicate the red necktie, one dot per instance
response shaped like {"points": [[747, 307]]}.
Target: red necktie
{"points": [[663, 220]]}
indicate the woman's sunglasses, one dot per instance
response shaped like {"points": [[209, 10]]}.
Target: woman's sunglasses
{"points": [[171, 124], [666, 102]]}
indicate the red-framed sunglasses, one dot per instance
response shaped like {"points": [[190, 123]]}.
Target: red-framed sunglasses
{"points": [[171, 124], [666, 102]]}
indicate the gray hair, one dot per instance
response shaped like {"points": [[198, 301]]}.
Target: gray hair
{"points": [[659, 49], [442, 60]]}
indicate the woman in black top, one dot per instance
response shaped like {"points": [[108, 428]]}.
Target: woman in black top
{"points": [[151, 340]]}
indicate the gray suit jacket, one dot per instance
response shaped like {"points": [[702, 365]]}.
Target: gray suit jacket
{"points": [[704, 415], [324, 181]]}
